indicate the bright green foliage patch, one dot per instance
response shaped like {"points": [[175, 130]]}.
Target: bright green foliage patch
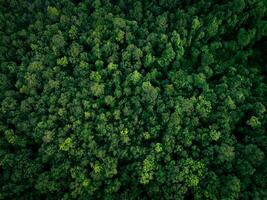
{"points": [[133, 99]]}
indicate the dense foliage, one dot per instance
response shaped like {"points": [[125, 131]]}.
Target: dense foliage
{"points": [[133, 99]]}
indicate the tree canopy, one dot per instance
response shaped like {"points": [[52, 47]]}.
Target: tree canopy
{"points": [[133, 99]]}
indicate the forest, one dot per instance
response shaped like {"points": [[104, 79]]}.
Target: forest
{"points": [[133, 99]]}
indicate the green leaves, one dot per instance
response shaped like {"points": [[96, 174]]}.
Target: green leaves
{"points": [[226, 153], [158, 148], [135, 77], [52, 11], [62, 61], [66, 145], [150, 93], [232, 187], [97, 89], [196, 24], [133, 99], [254, 122], [147, 170], [11, 137], [168, 56], [244, 37], [215, 135], [124, 136], [213, 26], [58, 41]]}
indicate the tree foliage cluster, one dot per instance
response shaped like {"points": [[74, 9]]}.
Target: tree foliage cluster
{"points": [[133, 99]]}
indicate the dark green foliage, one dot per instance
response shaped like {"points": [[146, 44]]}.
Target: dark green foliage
{"points": [[133, 99]]}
